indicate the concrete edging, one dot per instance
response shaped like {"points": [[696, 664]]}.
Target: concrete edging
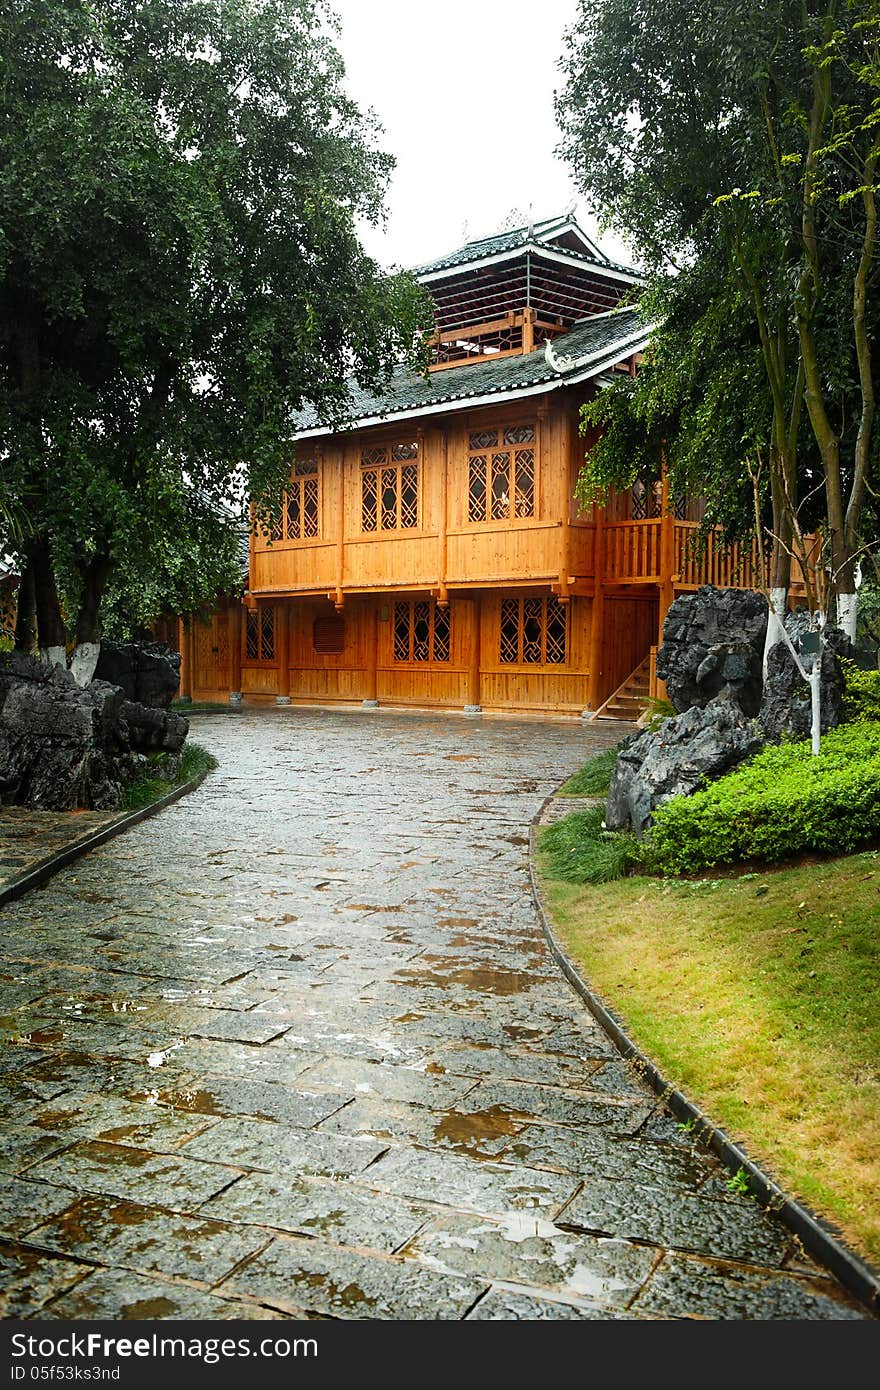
{"points": [[45, 868], [856, 1275]]}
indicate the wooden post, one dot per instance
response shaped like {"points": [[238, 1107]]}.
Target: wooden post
{"points": [[442, 595], [667, 550], [339, 596], [597, 616], [565, 537], [473, 705], [528, 330], [233, 617], [282, 651], [185, 645], [371, 695]]}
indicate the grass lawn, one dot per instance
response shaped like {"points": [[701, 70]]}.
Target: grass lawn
{"points": [[759, 996], [153, 784]]}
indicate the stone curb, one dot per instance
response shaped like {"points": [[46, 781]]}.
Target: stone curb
{"points": [[855, 1274], [45, 868]]}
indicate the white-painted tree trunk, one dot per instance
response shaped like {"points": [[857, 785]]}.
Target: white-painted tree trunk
{"points": [[778, 608], [847, 614], [816, 703], [84, 661], [54, 656]]}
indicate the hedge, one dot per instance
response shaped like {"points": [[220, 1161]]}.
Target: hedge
{"points": [[783, 803]]}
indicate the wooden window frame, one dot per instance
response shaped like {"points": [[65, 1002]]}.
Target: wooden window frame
{"points": [[431, 659], [524, 602], [373, 467], [486, 455], [299, 482], [252, 615]]}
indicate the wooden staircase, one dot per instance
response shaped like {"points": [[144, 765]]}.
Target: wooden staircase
{"points": [[629, 699]]}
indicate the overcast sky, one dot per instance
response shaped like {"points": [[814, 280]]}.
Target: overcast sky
{"points": [[464, 89]]}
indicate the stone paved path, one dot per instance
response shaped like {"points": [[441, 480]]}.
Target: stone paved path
{"points": [[29, 838], [295, 1047]]}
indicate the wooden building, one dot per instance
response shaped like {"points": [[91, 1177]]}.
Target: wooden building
{"points": [[432, 552]]}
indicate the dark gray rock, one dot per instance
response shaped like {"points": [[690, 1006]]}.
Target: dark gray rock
{"points": [[61, 746], [154, 730], [713, 642], [64, 746], [677, 759], [148, 672], [786, 707]]}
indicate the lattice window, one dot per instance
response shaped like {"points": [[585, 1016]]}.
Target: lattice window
{"points": [[259, 634], [645, 500], [300, 515], [501, 473], [534, 632], [303, 514], [390, 488], [422, 631]]}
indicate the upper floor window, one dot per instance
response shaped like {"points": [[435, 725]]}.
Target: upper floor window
{"points": [[534, 632], [421, 631], [501, 473], [390, 488], [300, 517], [259, 634]]}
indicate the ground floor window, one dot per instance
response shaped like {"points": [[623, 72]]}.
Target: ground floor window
{"points": [[534, 632], [422, 631], [259, 634]]}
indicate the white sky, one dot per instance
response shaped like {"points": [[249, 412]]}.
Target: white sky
{"points": [[464, 89]]}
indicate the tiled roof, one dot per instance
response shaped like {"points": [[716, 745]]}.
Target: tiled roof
{"points": [[537, 233], [601, 339]]}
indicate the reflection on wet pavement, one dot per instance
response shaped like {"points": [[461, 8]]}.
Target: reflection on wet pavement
{"points": [[295, 1048]]}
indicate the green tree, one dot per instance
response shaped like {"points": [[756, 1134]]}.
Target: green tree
{"points": [[180, 183], [746, 134]]}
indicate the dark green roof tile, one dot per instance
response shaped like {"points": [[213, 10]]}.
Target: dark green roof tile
{"points": [[407, 391]]}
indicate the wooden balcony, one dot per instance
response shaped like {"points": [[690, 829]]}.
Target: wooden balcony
{"points": [[633, 555]]}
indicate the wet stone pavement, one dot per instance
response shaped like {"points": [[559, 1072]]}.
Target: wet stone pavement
{"points": [[295, 1048]]}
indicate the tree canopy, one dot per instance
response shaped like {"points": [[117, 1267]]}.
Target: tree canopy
{"points": [[738, 144], [180, 187]]}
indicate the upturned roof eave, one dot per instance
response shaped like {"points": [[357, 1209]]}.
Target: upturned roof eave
{"points": [[559, 254], [582, 370]]}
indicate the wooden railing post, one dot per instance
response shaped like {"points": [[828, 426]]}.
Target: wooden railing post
{"points": [[185, 647], [443, 522], [473, 705], [233, 618], [371, 692], [667, 550], [282, 651], [597, 615]]}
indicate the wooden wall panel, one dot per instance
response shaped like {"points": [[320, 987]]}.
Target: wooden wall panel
{"points": [[259, 680], [535, 687], [630, 631], [421, 685], [288, 566], [402, 559], [485, 554]]}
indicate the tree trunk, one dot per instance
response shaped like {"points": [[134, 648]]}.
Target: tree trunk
{"points": [[50, 622], [25, 611], [95, 574], [780, 563]]}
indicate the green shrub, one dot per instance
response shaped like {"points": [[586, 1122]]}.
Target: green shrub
{"points": [[656, 711], [155, 783], [861, 698], [783, 803], [594, 778], [578, 849]]}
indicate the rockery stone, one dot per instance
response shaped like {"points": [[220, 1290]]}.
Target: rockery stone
{"points": [[713, 641], [786, 707], [677, 759]]}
